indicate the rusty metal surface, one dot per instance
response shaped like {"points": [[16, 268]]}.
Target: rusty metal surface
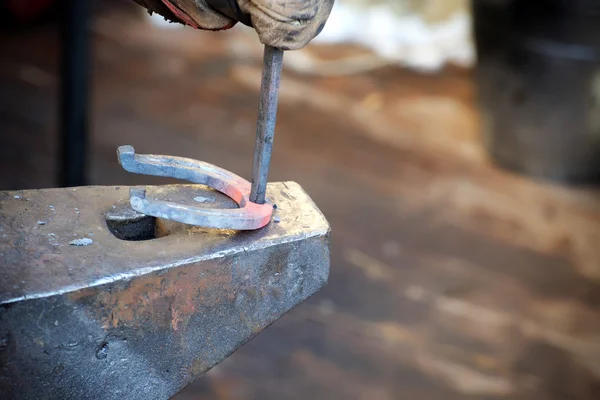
{"points": [[248, 216], [84, 315]]}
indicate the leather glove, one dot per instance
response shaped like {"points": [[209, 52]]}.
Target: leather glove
{"points": [[284, 24]]}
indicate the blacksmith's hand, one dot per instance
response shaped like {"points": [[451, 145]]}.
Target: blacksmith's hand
{"points": [[284, 24]]}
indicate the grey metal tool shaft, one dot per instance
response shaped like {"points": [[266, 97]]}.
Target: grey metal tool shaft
{"points": [[265, 126]]}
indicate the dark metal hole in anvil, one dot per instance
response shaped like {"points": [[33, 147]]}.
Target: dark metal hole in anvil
{"points": [[126, 224]]}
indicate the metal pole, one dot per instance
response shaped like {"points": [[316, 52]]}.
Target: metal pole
{"points": [[74, 93], [265, 127]]}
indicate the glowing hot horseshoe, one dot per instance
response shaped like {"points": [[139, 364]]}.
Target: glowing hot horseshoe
{"points": [[249, 216]]}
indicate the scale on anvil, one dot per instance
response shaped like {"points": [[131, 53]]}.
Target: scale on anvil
{"points": [[140, 316]]}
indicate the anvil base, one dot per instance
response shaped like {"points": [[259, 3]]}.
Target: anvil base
{"points": [[98, 302]]}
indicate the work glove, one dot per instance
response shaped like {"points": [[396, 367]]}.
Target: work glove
{"points": [[284, 24]]}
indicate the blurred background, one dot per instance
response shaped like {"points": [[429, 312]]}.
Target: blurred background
{"points": [[453, 146]]}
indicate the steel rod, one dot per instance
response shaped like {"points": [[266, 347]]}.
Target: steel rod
{"points": [[265, 126]]}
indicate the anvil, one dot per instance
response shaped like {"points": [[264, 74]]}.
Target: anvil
{"points": [[98, 301]]}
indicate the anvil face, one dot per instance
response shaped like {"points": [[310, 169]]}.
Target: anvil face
{"points": [[98, 302]]}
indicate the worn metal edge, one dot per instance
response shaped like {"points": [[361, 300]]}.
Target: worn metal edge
{"points": [[148, 270]]}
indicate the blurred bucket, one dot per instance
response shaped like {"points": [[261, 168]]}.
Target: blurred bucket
{"points": [[538, 82]]}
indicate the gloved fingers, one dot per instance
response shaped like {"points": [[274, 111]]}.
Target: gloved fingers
{"points": [[195, 13], [287, 24], [284, 24], [284, 11]]}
